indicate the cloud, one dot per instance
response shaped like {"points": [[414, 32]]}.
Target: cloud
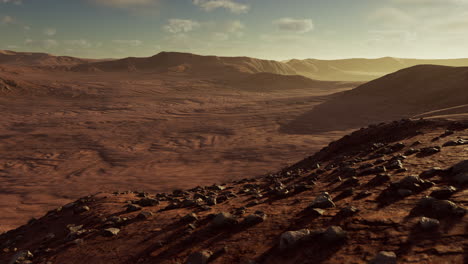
{"points": [[128, 42], [50, 31], [181, 26], [231, 5], [125, 3], [46, 43], [15, 2], [294, 25], [7, 20], [82, 43]]}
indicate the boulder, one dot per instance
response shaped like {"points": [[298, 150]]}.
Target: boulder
{"points": [[428, 223], [111, 231], [224, 219], [384, 257], [200, 257], [322, 201], [291, 238]]}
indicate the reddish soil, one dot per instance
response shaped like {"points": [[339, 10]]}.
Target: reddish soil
{"points": [[384, 222]]}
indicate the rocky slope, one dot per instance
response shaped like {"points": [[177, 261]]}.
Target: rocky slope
{"points": [[387, 193]]}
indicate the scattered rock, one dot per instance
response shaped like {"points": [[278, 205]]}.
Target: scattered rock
{"points": [[144, 215], [189, 218], [21, 257], [291, 238], [348, 211], [334, 234], [255, 218], [111, 231], [440, 208], [384, 257], [81, 209], [133, 208], [224, 219], [443, 192], [428, 223], [145, 202], [322, 201], [200, 257], [459, 172]]}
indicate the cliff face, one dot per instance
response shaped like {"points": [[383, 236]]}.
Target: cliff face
{"points": [[390, 192]]}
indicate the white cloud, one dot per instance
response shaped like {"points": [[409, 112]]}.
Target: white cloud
{"points": [[50, 31], [294, 25], [231, 5], [128, 42], [125, 3], [7, 20], [181, 26], [46, 43], [15, 2], [82, 43]]}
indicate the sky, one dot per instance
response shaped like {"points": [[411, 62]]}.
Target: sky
{"points": [[267, 29]]}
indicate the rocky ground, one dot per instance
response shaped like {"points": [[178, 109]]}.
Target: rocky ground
{"points": [[388, 193]]}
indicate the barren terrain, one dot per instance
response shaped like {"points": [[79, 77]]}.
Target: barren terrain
{"points": [[69, 134]]}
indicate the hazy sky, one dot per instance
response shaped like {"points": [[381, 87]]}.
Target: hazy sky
{"points": [[271, 29]]}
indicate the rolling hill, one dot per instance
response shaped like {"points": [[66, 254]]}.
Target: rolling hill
{"points": [[403, 94]]}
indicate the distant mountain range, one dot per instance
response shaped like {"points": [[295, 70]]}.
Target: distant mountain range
{"points": [[325, 70]]}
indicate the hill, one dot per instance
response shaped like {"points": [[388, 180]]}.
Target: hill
{"points": [[38, 59], [403, 94], [189, 63], [359, 200], [361, 69]]}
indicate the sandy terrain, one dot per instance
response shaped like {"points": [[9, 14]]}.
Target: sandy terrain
{"points": [[68, 134], [419, 91], [371, 211]]}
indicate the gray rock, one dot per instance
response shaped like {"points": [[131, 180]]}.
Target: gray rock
{"points": [[322, 201], [441, 208], [81, 209], [133, 208], [291, 238], [147, 202], [201, 257], [111, 231], [443, 192], [190, 218], [255, 218], [395, 165], [224, 219], [144, 215], [21, 256], [334, 234], [428, 223], [384, 257], [404, 192], [348, 211]]}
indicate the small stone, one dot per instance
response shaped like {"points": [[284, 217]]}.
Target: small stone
{"points": [[291, 238], [255, 218], [404, 192], [147, 202], [81, 209], [144, 215], [201, 257], [224, 219], [384, 257], [429, 223], [443, 192], [133, 208], [322, 201], [189, 218], [334, 234], [111, 231], [316, 212], [348, 211], [21, 256]]}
